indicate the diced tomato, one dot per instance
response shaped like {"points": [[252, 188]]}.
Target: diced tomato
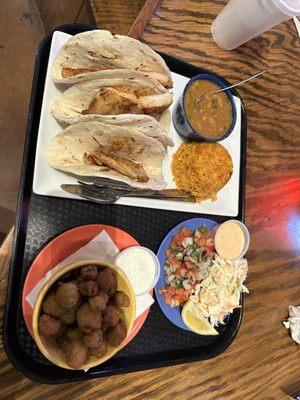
{"points": [[180, 296], [202, 242], [210, 252], [169, 294], [168, 253], [209, 248], [174, 262], [210, 245], [188, 265], [178, 240], [181, 235], [180, 292], [176, 298], [186, 232], [170, 290]]}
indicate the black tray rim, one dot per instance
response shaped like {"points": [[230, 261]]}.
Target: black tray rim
{"points": [[18, 359]]}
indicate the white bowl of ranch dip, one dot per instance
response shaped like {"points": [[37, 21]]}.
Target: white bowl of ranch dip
{"points": [[141, 267], [232, 240]]}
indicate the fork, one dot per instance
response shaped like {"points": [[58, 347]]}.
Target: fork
{"points": [[109, 195], [106, 182]]}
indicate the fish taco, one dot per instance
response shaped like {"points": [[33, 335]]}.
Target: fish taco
{"points": [[100, 50]]}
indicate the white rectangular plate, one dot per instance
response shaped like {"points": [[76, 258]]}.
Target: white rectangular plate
{"points": [[47, 180]]}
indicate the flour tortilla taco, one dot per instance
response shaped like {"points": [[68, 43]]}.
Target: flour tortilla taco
{"points": [[134, 93], [122, 153], [143, 124], [100, 50]]}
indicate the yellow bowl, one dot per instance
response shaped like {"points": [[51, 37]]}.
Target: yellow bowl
{"points": [[48, 346]]}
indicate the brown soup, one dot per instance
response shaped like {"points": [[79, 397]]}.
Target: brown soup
{"points": [[210, 115]]}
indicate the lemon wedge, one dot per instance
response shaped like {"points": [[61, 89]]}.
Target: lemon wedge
{"points": [[194, 320]]}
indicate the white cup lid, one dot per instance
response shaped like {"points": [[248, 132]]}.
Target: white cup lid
{"points": [[289, 7]]}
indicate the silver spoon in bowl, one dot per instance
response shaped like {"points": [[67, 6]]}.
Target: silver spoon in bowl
{"points": [[232, 86]]}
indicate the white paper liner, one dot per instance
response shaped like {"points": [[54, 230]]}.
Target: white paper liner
{"points": [[293, 323], [100, 248]]}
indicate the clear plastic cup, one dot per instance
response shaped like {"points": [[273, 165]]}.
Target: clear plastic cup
{"points": [[242, 20]]}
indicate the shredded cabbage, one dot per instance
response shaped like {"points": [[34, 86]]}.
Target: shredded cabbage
{"points": [[219, 292]]}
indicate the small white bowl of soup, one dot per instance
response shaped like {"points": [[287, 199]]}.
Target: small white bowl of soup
{"points": [[232, 240], [201, 116]]}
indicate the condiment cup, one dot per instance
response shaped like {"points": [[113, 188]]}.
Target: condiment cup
{"points": [[180, 118], [246, 236], [48, 345], [156, 263]]}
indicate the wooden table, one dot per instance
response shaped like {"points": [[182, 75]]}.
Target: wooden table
{"points": [[263, 362]]}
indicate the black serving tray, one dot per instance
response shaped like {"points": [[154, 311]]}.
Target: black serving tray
{"points": [[41, 218]]}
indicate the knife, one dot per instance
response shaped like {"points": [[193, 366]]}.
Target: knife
{"points": [[96, 191]]}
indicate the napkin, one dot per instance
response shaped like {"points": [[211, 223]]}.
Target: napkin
{"points": [[293, 323], [100, 248]]}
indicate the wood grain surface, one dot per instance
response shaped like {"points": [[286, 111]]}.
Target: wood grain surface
{"points": [[142, 19], [263, 363], [117, 15]]}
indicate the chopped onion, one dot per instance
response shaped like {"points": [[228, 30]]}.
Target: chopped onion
{"points": [[170, 278], [188, 241], [186, 285]]}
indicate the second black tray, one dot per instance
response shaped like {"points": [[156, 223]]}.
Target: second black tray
{"points": [[41, 218]]}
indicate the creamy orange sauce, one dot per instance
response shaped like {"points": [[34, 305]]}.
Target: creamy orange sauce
{"points": [[229, 240], [209, 115]]}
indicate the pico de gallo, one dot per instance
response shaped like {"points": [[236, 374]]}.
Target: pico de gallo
{"points": [[188, 257]]}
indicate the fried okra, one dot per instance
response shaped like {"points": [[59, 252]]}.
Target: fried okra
{"points": [[51, 306], [107, 281], [115, 335], [49, 326], [111, 315], [88, 288], [121, 299], [93, 339], [84, 329], [99, 351], [67, 294], [98, 302], [63, 343], [76, 354], [69, 316], [89, 272], [74, 334], [88, 319]]}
